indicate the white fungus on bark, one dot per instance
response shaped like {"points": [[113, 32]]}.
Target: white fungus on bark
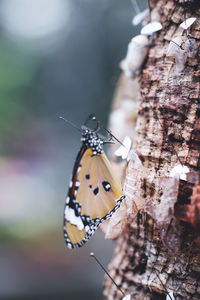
{"points": [[179, 171], [124, 149], [140, 17], [136, 54], [187, 23], [181, 47], [151, 27]]}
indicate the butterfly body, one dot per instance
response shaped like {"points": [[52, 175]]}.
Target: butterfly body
{"points": [[94, 192]]}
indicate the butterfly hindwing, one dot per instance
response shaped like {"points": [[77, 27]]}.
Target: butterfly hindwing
{"points": [[94, 194]]}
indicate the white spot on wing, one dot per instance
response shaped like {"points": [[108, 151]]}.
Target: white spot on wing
{"points": [[72, 218], [87, 228], [79, 168]]}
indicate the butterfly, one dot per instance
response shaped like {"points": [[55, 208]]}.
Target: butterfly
{"points": [[95, 191]]}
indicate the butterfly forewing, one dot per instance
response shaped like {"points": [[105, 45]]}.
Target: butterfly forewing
{"points": [[100, 188]]}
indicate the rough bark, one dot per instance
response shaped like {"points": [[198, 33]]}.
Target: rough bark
{"points": [[146, 264]]}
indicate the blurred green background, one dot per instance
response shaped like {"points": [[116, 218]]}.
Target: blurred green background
{"points": [[57, 57]]}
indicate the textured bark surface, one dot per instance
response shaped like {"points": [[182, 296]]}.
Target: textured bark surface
{"points": [[147, 264]]}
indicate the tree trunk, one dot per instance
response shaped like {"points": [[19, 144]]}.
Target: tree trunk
{"points": [[151, 260]]}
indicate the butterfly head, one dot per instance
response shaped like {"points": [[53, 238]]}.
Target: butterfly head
{"points": [[91, 140]]}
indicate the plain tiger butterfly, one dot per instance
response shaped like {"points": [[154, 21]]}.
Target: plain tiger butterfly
{"points": [[95, 192]]}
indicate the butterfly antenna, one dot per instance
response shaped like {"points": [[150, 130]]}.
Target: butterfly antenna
{"points": [[92, 255], [104, 128], [69, 122]]}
